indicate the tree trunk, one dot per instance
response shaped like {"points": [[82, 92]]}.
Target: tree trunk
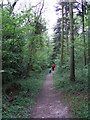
{"points": [[72, 67], [62, 34], [66, 21], [84, 58]]}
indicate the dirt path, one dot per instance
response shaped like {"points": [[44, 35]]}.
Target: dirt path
{"points": [[49, 102]]}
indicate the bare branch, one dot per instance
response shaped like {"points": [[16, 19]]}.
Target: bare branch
{"points": [[12, 6], [41, 10], [36, 5]]}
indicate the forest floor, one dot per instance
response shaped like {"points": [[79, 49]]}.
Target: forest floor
{"points": [[49, 103]]}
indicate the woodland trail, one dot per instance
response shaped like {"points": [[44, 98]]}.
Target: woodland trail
{"points": [[49, 103]]}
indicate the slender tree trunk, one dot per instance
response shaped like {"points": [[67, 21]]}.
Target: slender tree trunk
{"points": [[88, 15], [66, 27], [72, 67], [84, 58], [2, 5], [62, 34]]}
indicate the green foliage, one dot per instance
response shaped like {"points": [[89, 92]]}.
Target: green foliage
{"points": [[79, 106], [23, 49], [75, 92], [12, 45], [21, 105]]}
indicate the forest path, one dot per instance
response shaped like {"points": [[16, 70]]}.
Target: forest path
{"points": [[49, 103]]}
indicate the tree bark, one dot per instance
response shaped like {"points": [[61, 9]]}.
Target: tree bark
{"points": [[62, 34], [84, 58], [72, 66], [66, 21]]}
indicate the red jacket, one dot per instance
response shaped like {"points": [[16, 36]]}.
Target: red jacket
{"points": [[53, 65]]}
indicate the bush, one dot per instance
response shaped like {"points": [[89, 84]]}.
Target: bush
{"points": [[75, 92], [21, 103]]}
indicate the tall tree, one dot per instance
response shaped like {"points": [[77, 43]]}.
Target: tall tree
{"points": [[72, 67], [57, 39], [66, 24], [83, 31], [62, 35]]}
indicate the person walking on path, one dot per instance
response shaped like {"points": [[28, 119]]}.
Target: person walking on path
{"points": [[53, 66], [50, 69]]}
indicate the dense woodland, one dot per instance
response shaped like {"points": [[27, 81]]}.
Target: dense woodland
{"points": [[71, 52], [27, 52]]}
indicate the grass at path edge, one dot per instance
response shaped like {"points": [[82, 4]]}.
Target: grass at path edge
{"points": [[20, 107], [74, 93]]}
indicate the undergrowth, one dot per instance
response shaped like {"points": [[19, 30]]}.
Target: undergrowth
{"points": [[75, 93], [23, 101]]}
